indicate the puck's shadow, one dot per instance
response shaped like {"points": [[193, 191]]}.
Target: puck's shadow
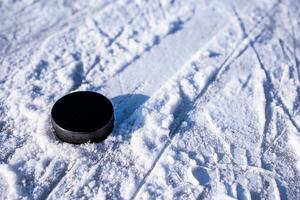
{"points": [[125, 106]]}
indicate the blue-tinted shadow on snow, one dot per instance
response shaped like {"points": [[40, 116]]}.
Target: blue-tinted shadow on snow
{"points": [[125, 106]]}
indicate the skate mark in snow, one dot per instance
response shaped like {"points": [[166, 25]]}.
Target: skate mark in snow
{"points": [[273, 91], [268, 115], [283, 45], [244, 85], [282, 189], [295, 46]]}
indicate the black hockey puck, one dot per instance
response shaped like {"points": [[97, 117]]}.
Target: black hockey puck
{"points": [[81, 117]]}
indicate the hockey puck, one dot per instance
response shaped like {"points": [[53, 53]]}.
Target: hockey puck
{"points": [[81, 117]]}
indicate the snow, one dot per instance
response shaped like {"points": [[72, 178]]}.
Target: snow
{"points": [[206, 97], [9, 175]]}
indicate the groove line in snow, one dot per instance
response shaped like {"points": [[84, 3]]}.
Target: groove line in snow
{"points": [[273, 94], [297, 65]]}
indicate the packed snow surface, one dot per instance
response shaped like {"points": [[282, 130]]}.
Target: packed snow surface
{"points": [[206, 96]]}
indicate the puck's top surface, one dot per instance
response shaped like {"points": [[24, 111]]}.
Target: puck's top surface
{"points": [[83, 112]]}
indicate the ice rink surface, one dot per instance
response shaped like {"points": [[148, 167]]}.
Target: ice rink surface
{"points": [[206, 96]]}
